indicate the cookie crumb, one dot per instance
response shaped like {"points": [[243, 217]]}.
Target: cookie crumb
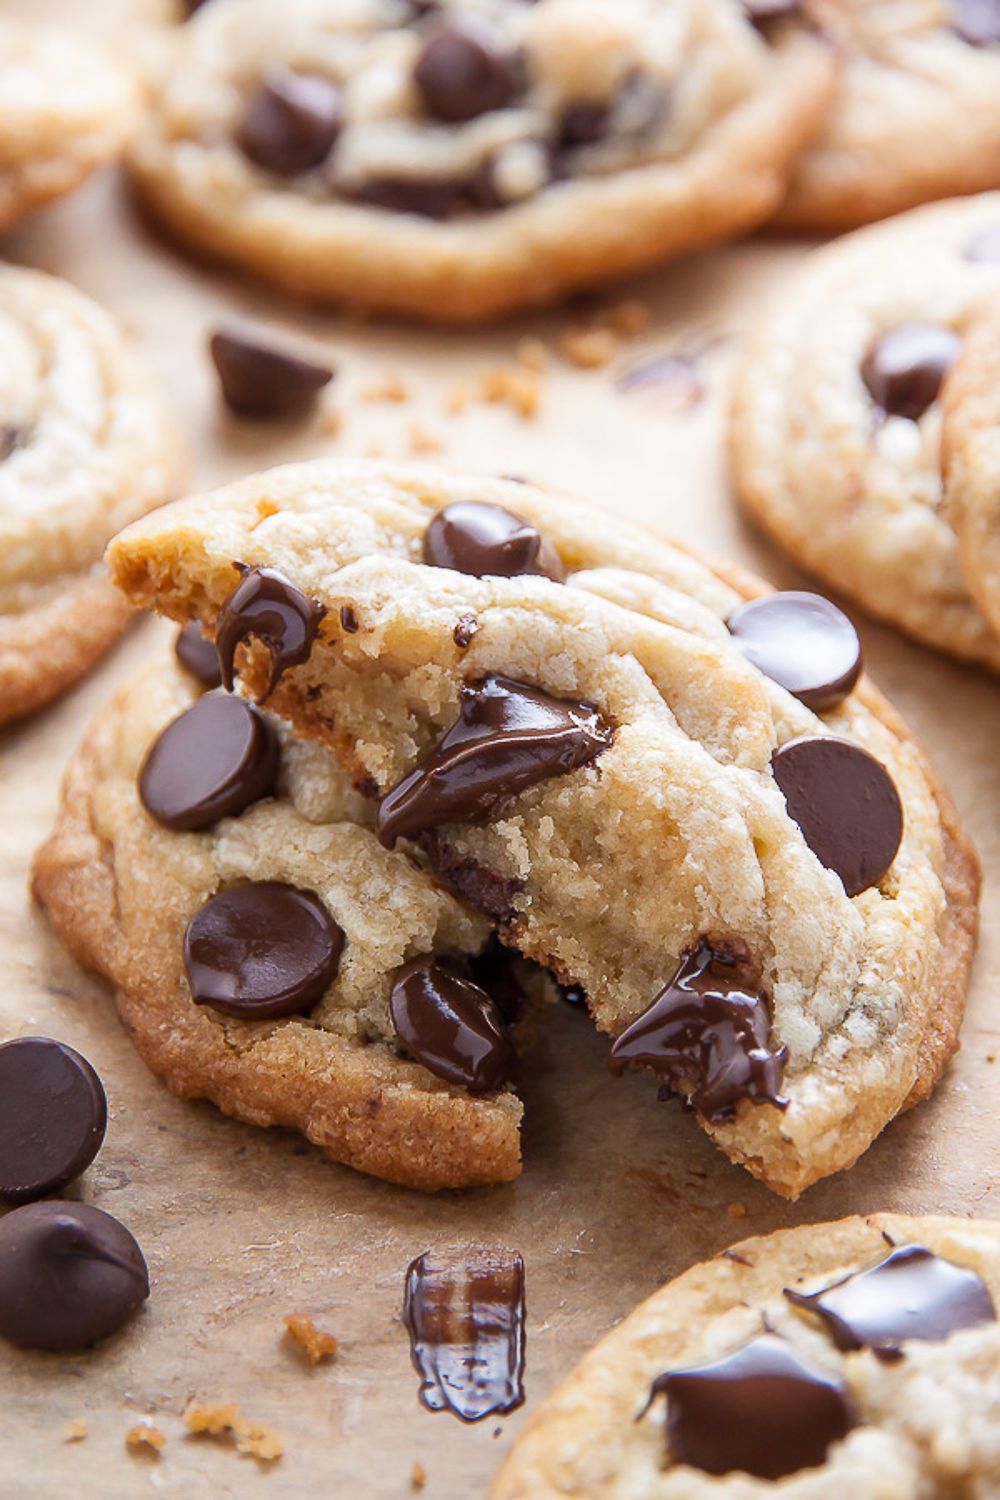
{"points": [[254, 1438], [589, 348], [313, 1341], [75, 1431], [422, 441], [736, 1210], [532, 354], [145, 1435], [510, 386], [390, 388], [418, 1477]]}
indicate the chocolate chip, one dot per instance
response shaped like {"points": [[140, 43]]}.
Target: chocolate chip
{"points": [[903, 369], [262, 951], [465, 630], [803, 642], [985, 248], [912, 1294], [262, 384], [977, 21], [10, 438], [708, 1033], [268, 606], [764, 13], [69, 1275], [464, 70], [290, 122], [451, 1025], [53, 1115], [465, 1318], [488, 541], [583, 125], [846, 804], [509, 736], [198, 655], [764, 1410], [430, 197], [348, 620], [212, 761]]}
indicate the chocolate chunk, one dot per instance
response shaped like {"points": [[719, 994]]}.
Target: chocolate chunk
{"points": [[430, 197], [211, 762], [977, 21], [509, 736], [764, 1410], [464, 70], [290, 122], [903, 369], [267, 605], [985, 248], [261, 383], [198, 655], [451, 1025], [488, 541], [803, 642], [53, 1115], [69, 1275], [912, 1294], [583, 125], [465, 1318], [348, 620], [261, 951], [708, 1033], [488, 892], [846, 804]]}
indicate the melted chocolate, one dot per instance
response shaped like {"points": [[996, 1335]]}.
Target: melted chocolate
{"points": [[912, 1294], [261, 383], [803, 642], [53, 1114], [488, 541], [492, 894], [451, 1025], [198, 655], [763, 1410], [465, 1318], [904, 369], [211, 762], [266, 605], [290, 122], [708, 1033], [465, 69], [509, 736]]}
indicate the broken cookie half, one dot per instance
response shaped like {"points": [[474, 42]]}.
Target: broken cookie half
{"points": [[665, 785]]}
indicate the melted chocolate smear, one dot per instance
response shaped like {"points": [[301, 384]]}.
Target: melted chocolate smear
{"points": [[465, 1318], [488, 892], [262, 951], [198, 655], [763, 1410], [53, 1115], [263, 384], [451, 1025], [708, 1032], [912, 1294], [904, 369], [488, 541], [846, 805], [69, 1275], [803, 642], [211, 762], [290, 122], [509, 736], [985, 248], [494, 969], [977, 21], [266, 605], [464, 70]]}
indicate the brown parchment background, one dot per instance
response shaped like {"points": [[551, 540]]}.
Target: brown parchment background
{"points": [[619, 1193]]}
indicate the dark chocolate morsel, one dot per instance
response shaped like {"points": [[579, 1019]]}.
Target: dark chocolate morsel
{"points": [[430, 197], [582, 125], [211, 762], [846, 804], [977, 21], [198, 655], [803, 642], [69, 1275], [764, 1410], [509, 736], [348, 620], [465, 1318], [466, 629], [262, 951], [450, 1025], [985, 247], [708, 1035], [464, 70], [53, 1115], [492, 894], [10, 438], [267, 605], [903, 369], [290, 122], [912, 1294], [488, 541], [263, 384]]}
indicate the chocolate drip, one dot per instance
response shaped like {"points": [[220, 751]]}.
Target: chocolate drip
{"points": [[509, 736], [708, 1033], [465, 1318], [266, 605], [912, 1294], [451, 1025]]}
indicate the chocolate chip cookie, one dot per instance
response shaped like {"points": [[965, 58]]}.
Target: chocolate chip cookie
{"points": [[971, 444], [861, 1356], [457, 160], [85, 446], [608, 748], [269, 954], [835, 431]]}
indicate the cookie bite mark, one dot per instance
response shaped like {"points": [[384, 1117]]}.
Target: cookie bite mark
{"points": [[268, 606], [451, 1025]]}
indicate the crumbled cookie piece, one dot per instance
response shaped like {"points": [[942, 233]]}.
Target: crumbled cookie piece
{"points": [[418, 1477], [390, 388], [589, 348], [227, 1421], [145, 1436], [316, 1344], [75, 1430]]}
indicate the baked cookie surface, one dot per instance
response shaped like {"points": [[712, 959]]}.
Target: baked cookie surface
{"points": [[655, 833], [459, 160], [971, 438], [920, 1425], [85, 446], [835, 429]]}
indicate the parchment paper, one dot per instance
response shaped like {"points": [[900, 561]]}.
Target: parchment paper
{"points": [[619, 1193]]}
